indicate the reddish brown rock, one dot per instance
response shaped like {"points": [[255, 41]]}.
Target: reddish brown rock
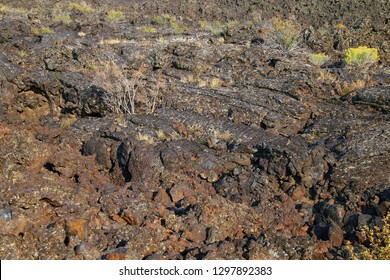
{"points": [[77, 227], [116, 256], [335, 235], [162, 197]]}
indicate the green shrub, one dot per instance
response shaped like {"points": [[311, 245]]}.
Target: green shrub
{"points": [[361, 56], [64, 18], [115, 15], [377, 240], [22, 53], [216, 27], [149, 29], [177, 26], [81, 7], [318, 59], [42, 30]]}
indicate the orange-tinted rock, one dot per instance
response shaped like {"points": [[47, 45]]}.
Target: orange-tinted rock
{"points": [[15, 226], [322, 247], [116, 256], [77, 227], [162, 197], [118, 219], [129, 218]]}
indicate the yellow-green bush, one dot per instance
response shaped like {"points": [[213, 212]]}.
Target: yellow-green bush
{"points": [[115, 15], [216, 27], [42, 30], [163, 19], [22, 53], [64, 18], [361, 56], [377, 240], [13, 11], [149, 29], [318, 59], [177, 26], [81, 7]]}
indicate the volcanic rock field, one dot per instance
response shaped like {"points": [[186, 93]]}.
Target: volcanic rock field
{"points": [[183, 130]]}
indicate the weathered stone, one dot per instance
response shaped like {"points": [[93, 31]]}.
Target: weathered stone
{"points": [[6, 214], [77, 227], [335, 235]]}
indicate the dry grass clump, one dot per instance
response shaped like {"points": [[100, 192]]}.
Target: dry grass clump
{"points": [[225, 136], [13, 11], [42, 30], [121, 89], [145, 137], [215, 83], [111, 41], [284, 32], [161, 135], [348, 87], [62, 17], [215, 28], [127, 88]]}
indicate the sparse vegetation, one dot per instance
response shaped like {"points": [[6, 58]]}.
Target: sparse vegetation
{"points": [[122, 90], [127, 88], [327, 76], [284, 32], [22, 53], [215, 83], [68, 121], [318, 59], [340, 26], [171, 21], [162, 39], [323, 31], [163, 19], [14, 11], [110, 41], [194, 128], [81, 7], [149, 29], [376, 240], [361, 56], [46, 30], [352, 86], [116, 100], [161, 135], [145, 137], [63, 17], [257, 16], [115, 15], [216, 27], [41, 30], [223, 135]]}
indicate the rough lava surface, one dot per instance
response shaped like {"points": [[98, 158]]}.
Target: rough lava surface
{"points": [[237, 149]]}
